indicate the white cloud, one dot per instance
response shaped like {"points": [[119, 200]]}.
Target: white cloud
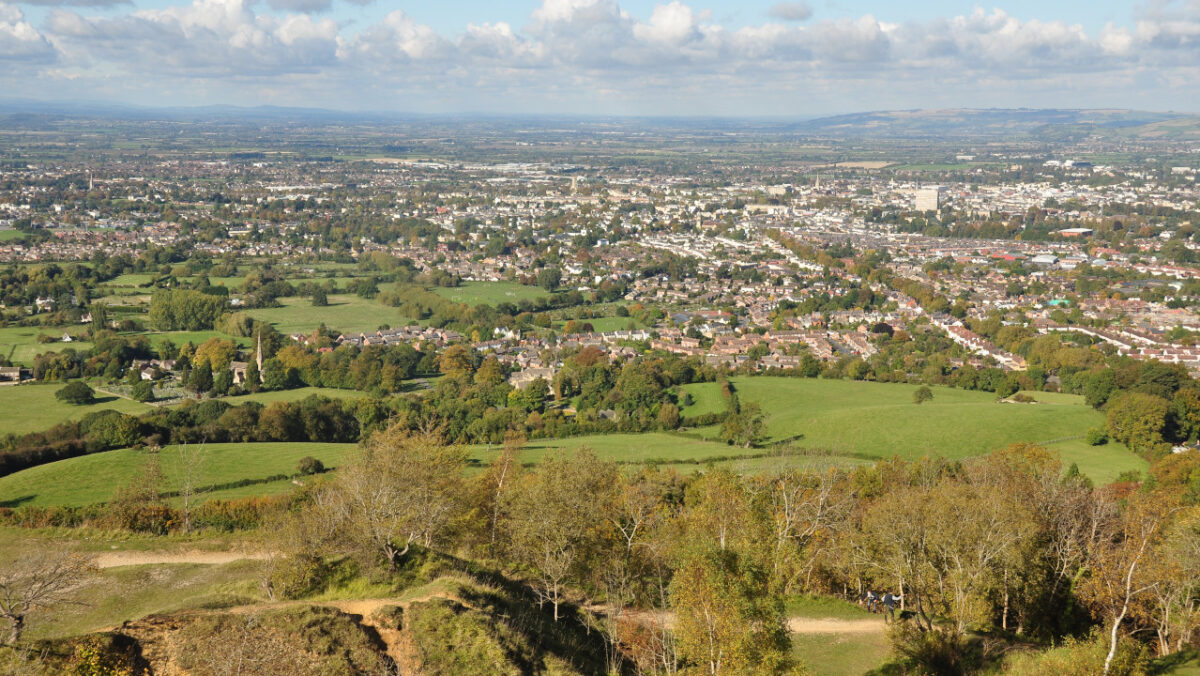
{"points": [[791, 11], [20, 41], [573, 53], [209, 38]]}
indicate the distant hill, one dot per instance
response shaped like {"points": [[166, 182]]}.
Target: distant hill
{"points": [[998, 122]]}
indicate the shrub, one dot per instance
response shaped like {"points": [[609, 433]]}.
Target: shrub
{"points": [[143, 391], [76, 392], [1097, 437], [922, 394], [310, 465]]}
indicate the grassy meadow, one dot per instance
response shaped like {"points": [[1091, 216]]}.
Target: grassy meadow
{"points": [[19, 343], [490, 293], [880, 420], [93, 478], [345, 312], [33, 408], [822, 423]]}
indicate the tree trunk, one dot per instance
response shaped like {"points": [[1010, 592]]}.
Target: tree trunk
{"points": [[16, 623], [1112, 645]]}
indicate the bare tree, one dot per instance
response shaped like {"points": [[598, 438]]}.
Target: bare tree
{"points": [[189, 467], [402, 489], [39, 579]]}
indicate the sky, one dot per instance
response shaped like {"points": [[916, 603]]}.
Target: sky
{"points": [[747, 58]]}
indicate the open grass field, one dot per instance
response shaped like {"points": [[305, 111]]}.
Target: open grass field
{"points": [[94, 478], [19, 343], [490, 293], [132, 279], [294, 395], [833, 654], [33, 408], [629, 448], [879, 420], [604, 324], [344, 313], [10, 235]]}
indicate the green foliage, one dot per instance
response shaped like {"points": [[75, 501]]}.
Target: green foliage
{"points": [[1096, 436], [922, 394], [1139, 421], [76, 392], [1081, 657], [310, 465], [726, 617], [184, 310], [935, 652], [110, 429], [143, 391]]}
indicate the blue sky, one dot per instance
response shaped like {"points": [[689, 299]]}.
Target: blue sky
{"points": [[643, 57]]}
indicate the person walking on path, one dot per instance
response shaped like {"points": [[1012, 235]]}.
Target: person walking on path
{"points": [[872, 599], [889, 607]]}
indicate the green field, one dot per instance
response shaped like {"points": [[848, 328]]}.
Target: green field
{"points": [[847, 654], [344, 313], [653, 446], [93, 478], [294, 395], [33, 408], [605, 324], [879, 420], [10, 235], [19, 343], [490, 293], [132, 279]]}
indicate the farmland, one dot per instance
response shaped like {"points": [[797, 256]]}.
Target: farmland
{"points": [[93, 478], [876, 420], [490, 293], [344, 313], [33, 408]]}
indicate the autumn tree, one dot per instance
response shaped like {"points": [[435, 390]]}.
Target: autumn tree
{"points": [[556, 520], [1119, 568], [402, 489], [728, 622]]}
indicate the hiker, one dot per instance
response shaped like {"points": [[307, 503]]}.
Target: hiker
{"points": [[889, 605], [872, 599]]}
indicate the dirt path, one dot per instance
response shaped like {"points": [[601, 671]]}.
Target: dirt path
{"points": [[115, 559], [829, 625], [366, 607]]}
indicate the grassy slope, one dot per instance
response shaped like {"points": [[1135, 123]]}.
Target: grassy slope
{"points": [[344, 313], [33, 408], [21, 341], [880, 420], [94, 478], [835, 654], [131, 592], [490, 293], [294, 395]]}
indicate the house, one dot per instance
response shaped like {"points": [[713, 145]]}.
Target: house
{"points": [[522, 379], [10, 375]]}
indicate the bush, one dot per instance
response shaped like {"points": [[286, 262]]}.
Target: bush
{"points": [[1081, 657], [76, 392], [922, 394], [143, 391], [1097, 437], [310, 465], [935, 652]]}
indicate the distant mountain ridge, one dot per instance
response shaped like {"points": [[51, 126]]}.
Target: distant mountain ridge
{"points": [[1047, 124], [1008, 122]]}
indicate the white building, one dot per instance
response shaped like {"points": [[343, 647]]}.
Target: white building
{"points": [[929, 199]]}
